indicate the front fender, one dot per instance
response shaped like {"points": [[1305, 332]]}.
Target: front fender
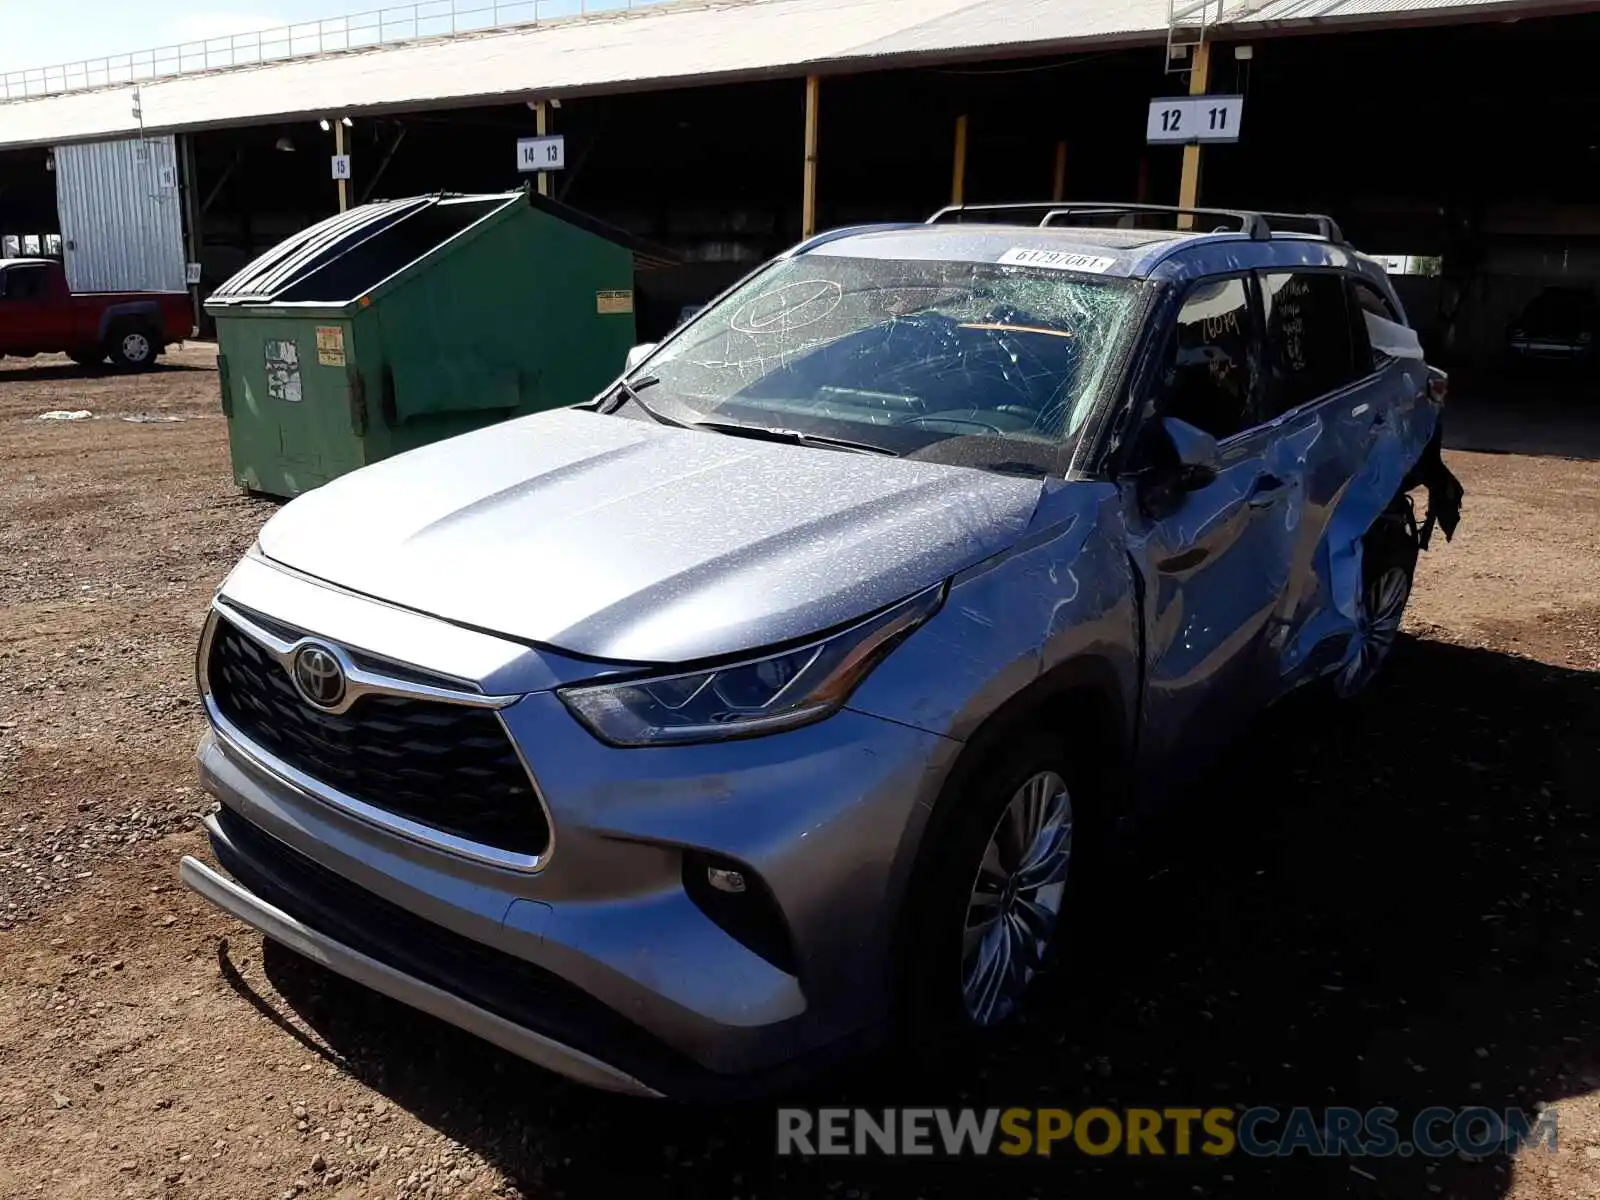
{"points": [[1064, 593]]}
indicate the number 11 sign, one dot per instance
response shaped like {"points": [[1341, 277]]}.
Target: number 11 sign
{"points": [[1184, 119]]}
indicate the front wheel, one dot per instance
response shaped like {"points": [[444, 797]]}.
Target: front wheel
{"points": [[1388, 566], [132, 348], [995, 893], [1014, 902]]}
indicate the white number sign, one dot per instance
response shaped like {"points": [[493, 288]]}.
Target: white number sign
{"points": [[1184, 119], [542, 153], [341, 166]]}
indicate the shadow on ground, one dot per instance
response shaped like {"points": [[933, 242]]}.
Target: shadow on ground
{"points": [[1391, 903]]}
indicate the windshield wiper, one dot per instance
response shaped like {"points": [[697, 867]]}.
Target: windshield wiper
{"points": [[623, 391], [793, 437]]}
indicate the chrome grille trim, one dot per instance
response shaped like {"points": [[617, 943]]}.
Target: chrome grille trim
{"points": [[358, 680], [234, 743]]}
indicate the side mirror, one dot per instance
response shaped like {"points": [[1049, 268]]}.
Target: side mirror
{"points": [[638, 354], [1177, 458], [1196, 450]]}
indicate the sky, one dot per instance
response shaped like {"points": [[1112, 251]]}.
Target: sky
{"points": [[39, 34]]}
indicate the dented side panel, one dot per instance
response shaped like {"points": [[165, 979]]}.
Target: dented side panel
{"points": [[1385, 433], [1063, 599], [1189, 625]]}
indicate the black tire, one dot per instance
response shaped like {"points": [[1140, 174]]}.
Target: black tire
{"points": [[131, 346], [1388, 567], [933, 1008], [87, 358]]}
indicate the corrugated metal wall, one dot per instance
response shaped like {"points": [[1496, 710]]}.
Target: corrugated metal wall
{"points": [[121, 215]]}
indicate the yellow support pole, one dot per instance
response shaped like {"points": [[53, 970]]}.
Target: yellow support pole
{"points": [[1189, 186], [338, 148], [541, 126], [958, 174], [808, 199], [1058, 189]]}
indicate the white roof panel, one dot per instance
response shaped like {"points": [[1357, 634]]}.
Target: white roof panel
{"points": [[656, 46]]}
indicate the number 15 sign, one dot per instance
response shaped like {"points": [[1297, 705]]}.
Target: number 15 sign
{"points": [[1195, 119]]}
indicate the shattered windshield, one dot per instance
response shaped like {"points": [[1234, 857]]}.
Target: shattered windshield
{"points": [[983, 364]]}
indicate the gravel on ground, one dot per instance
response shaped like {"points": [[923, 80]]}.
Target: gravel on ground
{"points": [[1389, 903]]}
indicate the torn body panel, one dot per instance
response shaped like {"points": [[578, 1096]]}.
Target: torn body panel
{"points": [[1198, 618], [1395, 444]]}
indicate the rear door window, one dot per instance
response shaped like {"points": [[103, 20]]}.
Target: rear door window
{"points": [[1380, 334], [1310, 345], [23, 283], [1209, 379]]}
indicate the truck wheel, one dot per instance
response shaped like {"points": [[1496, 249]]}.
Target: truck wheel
{"points": [[87, 358], [1388, 564], [131, 347]]}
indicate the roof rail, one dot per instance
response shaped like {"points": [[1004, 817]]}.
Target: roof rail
{"points": [[1323, 226], [1259, 226]]}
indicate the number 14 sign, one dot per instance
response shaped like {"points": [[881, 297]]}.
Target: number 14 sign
{"points": [[1184, 119]]}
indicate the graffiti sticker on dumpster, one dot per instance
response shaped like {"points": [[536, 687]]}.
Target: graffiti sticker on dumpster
{"points": [[330, 345], [283, 370]]}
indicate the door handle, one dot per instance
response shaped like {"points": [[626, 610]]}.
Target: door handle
{"points": [[1264, 491]]}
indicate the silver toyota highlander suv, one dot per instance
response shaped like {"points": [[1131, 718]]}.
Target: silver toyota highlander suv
{"points": [[686, 738]]}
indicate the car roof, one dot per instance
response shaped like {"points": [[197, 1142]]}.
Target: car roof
{"points": [[1127, 253], [24, 262]]}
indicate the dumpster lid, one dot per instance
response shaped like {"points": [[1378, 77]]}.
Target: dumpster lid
{"points": [[646, 255], [337, 260]]}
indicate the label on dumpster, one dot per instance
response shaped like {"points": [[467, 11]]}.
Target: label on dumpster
{"points": [[613, 302], [330, 345], [283, 370]]}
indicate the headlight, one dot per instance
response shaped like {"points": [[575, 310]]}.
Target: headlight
{"points": [[749, 698]]}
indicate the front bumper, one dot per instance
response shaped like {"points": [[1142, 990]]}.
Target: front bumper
{"points": [[1548, 350], [381, 977], [594, 959]]}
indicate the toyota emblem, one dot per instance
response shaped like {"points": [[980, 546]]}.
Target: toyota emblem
{"points": [[319, 676]]}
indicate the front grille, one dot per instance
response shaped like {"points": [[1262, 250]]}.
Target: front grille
{"points": [[447, 766]]}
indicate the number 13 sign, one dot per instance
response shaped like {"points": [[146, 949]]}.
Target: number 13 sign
{"points": [[1195, 119]]}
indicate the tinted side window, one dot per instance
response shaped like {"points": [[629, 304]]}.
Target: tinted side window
{"points": [[1375, 324], [24, 283], [1373, 301], [1310, 348], [1210, 374]]}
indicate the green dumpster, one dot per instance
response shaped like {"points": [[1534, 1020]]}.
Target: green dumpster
{"points": [[403, 322]]}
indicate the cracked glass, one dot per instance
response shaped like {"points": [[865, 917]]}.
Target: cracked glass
{"points": [[986, 364]]}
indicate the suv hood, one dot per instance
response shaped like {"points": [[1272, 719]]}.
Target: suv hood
{"points": [[619, 539]]}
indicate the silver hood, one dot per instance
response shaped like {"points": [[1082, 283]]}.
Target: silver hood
{"points": [[631, 541]]}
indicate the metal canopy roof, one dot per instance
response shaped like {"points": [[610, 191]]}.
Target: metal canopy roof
{"points": [[666, 45]]}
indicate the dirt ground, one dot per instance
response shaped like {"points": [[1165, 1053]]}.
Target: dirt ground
{"points": [[1391, 903]]}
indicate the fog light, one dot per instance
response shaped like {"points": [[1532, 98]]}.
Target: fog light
{"points": [[738, 900]]}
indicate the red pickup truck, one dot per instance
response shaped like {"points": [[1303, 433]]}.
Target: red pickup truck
{"points": [[40, 315]]}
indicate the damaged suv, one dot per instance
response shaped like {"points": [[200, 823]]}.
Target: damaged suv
{"points": [[684, 739]]}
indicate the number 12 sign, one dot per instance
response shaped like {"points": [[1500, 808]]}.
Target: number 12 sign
{"points": [[1183, 119]]}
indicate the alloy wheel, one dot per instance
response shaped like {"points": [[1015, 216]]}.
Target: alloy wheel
{"points": [[1383, 607], [1016, 898]]}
